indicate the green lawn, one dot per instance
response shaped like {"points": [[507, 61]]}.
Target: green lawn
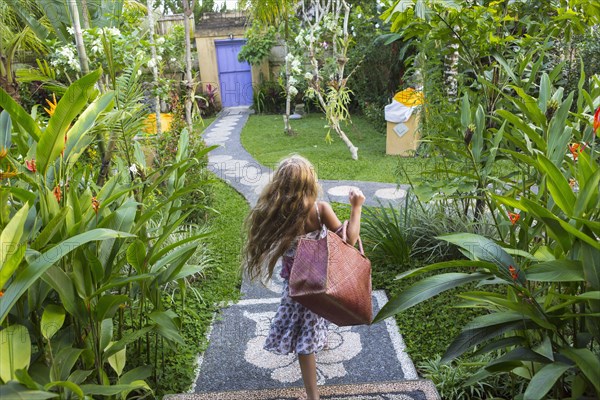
{"points": [[264, 138]]}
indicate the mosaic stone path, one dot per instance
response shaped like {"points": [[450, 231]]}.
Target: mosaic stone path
{"points": [[365, 358]]}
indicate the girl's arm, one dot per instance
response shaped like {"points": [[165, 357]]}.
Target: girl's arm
{"points": [[332, 222], [357, 198]]}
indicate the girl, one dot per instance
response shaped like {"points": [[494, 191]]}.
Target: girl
{"points": [[287, 209]]}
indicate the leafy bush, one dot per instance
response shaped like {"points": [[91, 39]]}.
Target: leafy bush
{"points": [[269, 98], [87, 269]]}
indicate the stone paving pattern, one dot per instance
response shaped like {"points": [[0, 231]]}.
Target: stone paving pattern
{"points": [[235, 364]]}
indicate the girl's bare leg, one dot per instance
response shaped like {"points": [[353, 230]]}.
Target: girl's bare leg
{"points": [[308, 367]]}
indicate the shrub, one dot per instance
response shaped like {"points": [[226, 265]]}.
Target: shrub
{"points": [[269, 98]]}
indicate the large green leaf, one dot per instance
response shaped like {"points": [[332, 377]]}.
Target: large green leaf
{"points": [[77, 141], [587, 198], [167, 325], [591, 270], [559, 134], [102, 390], [52, 142], [5, 131], [15, 391], [19, 116], [136, 254], [587, 362], [34, 270], [108, 304], [15, 351], [117, 361], [469, 338], [557, 271], [424, 290], [53, 319], [58, 279], [485, 249], [73, 387], [544, 380], [50, 229], [10, 237], [557, 185], [64, 361]]}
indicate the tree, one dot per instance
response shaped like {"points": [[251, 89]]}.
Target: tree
{"points": [[327, 39], [150, 5], [188, 9], [16, 35], [273, 12], [83, 60]]}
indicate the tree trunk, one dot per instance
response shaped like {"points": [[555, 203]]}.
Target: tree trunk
{"points": [[188, 7], [85, 13], [288, 97], [150, 7], [83, 60]]}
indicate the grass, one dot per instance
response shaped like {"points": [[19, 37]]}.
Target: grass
{"points": [[221, 283], [264, 138]]}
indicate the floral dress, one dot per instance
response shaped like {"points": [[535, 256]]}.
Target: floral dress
{"points": [[296, 329]]}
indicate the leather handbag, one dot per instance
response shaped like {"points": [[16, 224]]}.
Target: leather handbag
{"points": [[333, 279]]}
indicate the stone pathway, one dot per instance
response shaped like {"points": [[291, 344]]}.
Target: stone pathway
{"points": [[235, 365]]}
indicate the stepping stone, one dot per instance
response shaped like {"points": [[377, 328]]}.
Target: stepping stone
{"points": [[391, 194], [341, 190]]}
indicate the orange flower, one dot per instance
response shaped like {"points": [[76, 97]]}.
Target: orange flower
{"points": [[30, 165], [51, 105], [596, 121], [514, 217], [572, 182], [575, 149], [95, 204], [513, 272], [1, 293], [8, 173], [3, 152], [57, 193]]}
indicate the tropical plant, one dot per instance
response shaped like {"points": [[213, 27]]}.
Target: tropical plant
{"points": [[83, 268], [543, 326]]}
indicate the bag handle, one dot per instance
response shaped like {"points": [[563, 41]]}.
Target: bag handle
{"points": [[345, 237]]}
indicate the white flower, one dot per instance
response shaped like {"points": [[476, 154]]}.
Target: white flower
{"points": [[133, 169], [151, 63], [293, 91], [289, 57], [173, 59], [139, 72], [308, 76], [292, 81], [114, 31], [377, 26], [70, 30], [359, 16], [160, 40]]}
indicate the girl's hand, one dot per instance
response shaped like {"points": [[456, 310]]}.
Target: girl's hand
{"points": [[356, 197]]}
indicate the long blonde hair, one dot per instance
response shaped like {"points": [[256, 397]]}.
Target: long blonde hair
{"points": [[279, 215]]}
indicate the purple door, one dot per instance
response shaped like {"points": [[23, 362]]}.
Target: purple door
{"points": [[235, 77]]}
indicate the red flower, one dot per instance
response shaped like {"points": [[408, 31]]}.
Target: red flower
{"points": [[513, 272], [30, 165], [57, 193], [596, 121], [1, 293], [514, 217]]}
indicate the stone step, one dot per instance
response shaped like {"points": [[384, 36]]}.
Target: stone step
{"points": [[418, 389]]}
